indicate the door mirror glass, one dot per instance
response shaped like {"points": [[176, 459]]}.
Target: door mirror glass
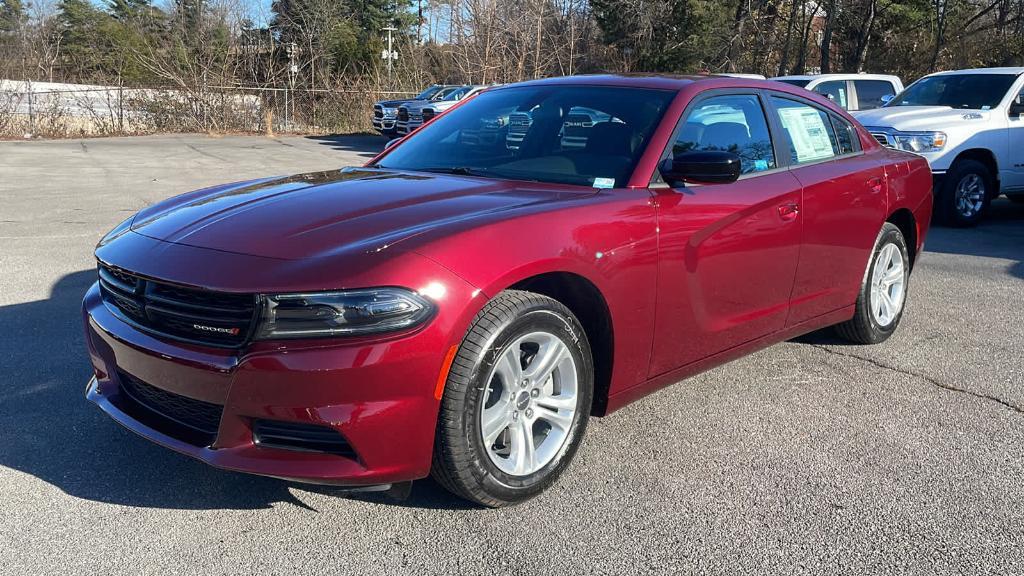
{"points": [[1017, 106], [702, 166]]}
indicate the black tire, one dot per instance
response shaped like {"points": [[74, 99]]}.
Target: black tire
{"points": [[1017, 198], [946, 201], [461, 463], [863, 328]]}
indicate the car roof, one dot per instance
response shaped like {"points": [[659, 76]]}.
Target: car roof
{"points": [[641, 80], [1004, 70], [836, 77]]}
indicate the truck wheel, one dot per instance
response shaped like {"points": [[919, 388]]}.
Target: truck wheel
{"points": [[965, 194], [516, 402]]}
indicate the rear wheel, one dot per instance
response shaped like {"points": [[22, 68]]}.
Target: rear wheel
{"points": [[883, 291], [516, 402], [965, 194]]}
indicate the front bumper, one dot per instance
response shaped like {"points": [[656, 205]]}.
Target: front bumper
{"points": [[384, 125], [378, 394]]}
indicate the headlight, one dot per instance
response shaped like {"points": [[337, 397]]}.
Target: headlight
{"points": [[920, 141], [342, 313]]}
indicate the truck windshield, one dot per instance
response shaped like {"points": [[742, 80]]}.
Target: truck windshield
{"points": [[583, 135], [428, 93], [961, 91]]}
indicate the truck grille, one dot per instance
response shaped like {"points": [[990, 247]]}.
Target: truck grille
{"points": [[193, 421], [403, 114], [881, 138], [378, 111], [200, 316]]}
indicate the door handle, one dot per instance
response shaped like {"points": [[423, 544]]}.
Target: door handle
{"points": [[789, 211]]}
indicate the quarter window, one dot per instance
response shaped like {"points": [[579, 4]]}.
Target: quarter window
{"points": [[808, 131], [846, 136], [734, 123]]}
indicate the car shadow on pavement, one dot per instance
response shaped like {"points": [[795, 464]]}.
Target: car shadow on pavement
{"points": [[365, 145], [50, 431], [1000, 235]]}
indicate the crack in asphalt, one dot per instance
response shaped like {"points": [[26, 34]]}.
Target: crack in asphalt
{"points": [[929, 379]]}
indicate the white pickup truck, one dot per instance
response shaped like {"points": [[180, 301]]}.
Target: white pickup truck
{"points": [[969, 125]]}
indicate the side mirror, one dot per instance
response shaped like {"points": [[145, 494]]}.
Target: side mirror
{"points": [[886, 98], [1017, 105], [392, 142], [704, 167]]}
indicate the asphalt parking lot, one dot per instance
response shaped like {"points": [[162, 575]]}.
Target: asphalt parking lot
{"points": [[809, 457]]}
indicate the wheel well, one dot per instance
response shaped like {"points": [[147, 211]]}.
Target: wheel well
{"points": [[587, 303], [904, 220], [985, 157]]}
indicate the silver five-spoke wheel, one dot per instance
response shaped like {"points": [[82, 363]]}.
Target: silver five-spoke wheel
{"points": [[530, 403], [888, 282]]}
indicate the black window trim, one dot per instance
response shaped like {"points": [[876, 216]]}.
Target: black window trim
{"points": [[776, 123], [781, 157]]}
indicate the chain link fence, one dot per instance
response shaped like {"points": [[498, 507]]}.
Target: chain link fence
{"points": [[52, 110]]}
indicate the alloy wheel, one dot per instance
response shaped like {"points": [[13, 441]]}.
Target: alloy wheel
{"points": [[530, 403], [888, 283], [970, 195]]}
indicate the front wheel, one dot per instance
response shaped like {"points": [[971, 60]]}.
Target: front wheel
{"points": [[965, 194], [516, 401], [883, 291]]}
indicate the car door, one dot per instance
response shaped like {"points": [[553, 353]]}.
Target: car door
{"points": [[843, 205], [728, 252], [1013, 180]]}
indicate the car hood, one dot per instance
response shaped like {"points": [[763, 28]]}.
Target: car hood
{"points": [[330, 213], [395, 103], [918, 118]]}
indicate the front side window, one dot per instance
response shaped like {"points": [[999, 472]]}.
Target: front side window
{"points": [[959, 91], [834, 91], [734, 123], [808, 130], [585, 135], [870, 93]]}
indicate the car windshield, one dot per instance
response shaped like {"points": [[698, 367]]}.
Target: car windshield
{"points": [[795, 82], [966, 91], [426, 94], [443, 93], [584, 135]]}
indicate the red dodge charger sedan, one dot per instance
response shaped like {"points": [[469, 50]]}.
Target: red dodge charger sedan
{"points": [[464, 302]]}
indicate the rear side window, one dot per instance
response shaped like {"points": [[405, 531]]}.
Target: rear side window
{"points": [[870, 93], [734, 123], [846, 136], [835, 91], [808, 130]]}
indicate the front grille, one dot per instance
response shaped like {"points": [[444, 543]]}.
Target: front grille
{"points": [[302, 437], [200, 316], [403, 114], [193, 421], [378, 112], [428, 114], [881, 138]]}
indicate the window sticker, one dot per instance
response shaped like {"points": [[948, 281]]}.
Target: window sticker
{"points": [[604, 182], [807, 130]]}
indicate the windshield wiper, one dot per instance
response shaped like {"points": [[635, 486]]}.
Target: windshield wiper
{"points": [[458, 170]]}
